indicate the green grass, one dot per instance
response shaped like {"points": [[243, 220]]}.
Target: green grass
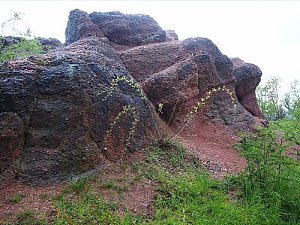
{"points": [[267, 193], [113, 186], [271, 178], [185, 195], [196, 199], [28, 217], [15, 199], [21, 49]]}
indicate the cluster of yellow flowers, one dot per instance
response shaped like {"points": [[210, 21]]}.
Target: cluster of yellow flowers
{"points": [[208, 95], [132, 83], [125, 111], [160, 108]]}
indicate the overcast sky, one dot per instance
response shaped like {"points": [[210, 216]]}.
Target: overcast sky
{"points": [[266, 33]]}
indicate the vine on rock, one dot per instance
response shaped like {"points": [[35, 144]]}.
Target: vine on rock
{"points": [[202, 102], [126, 110]]}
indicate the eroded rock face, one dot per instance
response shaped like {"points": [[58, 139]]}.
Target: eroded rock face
{"points": [[171, 35], [68, 111], [248, 77], [118, 28], [179, 73]]}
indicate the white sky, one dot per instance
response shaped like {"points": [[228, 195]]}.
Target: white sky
{"points": [[266, 33]]}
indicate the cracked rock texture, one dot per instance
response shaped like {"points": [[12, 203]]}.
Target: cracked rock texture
{"points": [[76, 107], [56, 117]]}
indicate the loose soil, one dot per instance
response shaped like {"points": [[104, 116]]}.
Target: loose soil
{"points": [[212, 145]]}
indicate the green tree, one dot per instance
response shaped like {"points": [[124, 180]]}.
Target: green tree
{"points": [[291, 100], [269, 101]]}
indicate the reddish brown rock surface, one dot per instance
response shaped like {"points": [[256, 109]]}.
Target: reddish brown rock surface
{"points": [[179, 73], [68, 111]]}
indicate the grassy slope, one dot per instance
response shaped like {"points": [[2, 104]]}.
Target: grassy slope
{"points": [[185, 195]]}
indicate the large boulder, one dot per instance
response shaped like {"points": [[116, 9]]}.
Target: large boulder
{"points": [[79, 106], [171, 35], [81, 26], [180, 74], [68, 111], [118, 28]]}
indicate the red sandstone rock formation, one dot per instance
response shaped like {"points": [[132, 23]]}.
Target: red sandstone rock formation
{"points": [[68, 111]]}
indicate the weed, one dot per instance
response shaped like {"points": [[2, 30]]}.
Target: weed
{"points": [[124, 112], [112, 205], [21, 49], [77, 187], [28, 217], [200, 103], [113, 186], [186, 195], [15, 199]]}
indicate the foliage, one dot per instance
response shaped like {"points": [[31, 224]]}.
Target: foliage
{"points": [[268, 192], [275, 107], [271, 178], [198, 105], [126, 111], [21, 49], [186, 195], [23, 46], [268, 99], [13, 26], [15, 199], [291, 99], [193, 198], [28, 217]]}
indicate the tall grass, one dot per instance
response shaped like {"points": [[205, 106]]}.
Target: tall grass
{"points": [[271, 178]]}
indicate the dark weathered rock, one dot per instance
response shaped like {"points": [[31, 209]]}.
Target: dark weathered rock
{"points": [[72, 109], [70, 113], [171, 35], [9, 40], [118, 28], [247, 77], [49, 43], [81, 26], [11, 136], [130, 30]]}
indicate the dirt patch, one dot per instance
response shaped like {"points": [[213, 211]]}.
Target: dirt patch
{"points": [[294, 152], [120, 184], [213, 145], [36, 199]]}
